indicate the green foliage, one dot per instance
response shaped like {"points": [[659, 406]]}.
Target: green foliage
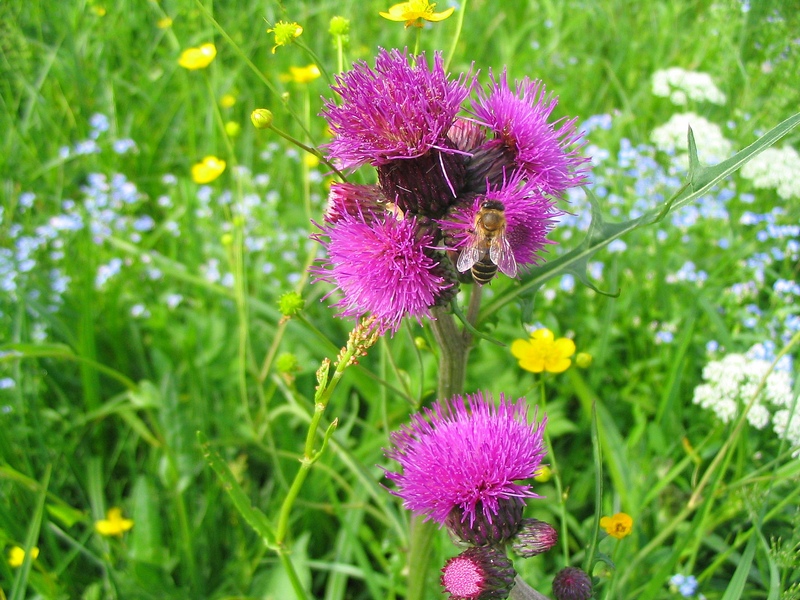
{"points": [[135, 327]]}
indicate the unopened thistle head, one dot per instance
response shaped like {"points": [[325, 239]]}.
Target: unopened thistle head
{"points": [[478, 574]]}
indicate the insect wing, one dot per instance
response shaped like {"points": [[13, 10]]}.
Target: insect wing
{"points": [[470, 255], [502, 255]]}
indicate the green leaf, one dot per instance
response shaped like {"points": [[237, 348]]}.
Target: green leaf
{"points": [[56, 507], [601, 233], [257, 519], [21, 580], [10, 352], [736, 586]]}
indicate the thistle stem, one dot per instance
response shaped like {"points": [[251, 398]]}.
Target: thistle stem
{"points": [[454, 350]]}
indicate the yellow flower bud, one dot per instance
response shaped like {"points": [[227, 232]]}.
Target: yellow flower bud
{"points": [[261, 118], [285, 33], [113, 524], [543, 474], [310, 160]]}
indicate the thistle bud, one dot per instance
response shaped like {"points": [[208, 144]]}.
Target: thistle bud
{"points": [[478, 574], [571, 583], [534, 537]]}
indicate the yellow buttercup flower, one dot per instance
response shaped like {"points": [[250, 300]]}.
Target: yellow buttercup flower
{"points": [[198, 58], [302, 74], [164, 23], [618, 526], [227, 101], [16, 556], [113, 524], [544, 353], [285, 33], [416, 11], [208, 169]]}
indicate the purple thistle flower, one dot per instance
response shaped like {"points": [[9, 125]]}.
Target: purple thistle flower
{"points": [[396, 118], [384, 266], [466, 459], [396, 111], [529, 217], [524, 139]]}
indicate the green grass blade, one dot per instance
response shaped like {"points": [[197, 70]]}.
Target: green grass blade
{"points": [[21, 580], [257, 519], [736, 586]]}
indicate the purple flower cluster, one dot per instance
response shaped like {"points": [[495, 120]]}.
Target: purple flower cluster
{"points": [[393, 248]]}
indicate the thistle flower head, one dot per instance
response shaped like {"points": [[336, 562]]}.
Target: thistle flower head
{"points": [[485, 531], [354, 199], [529, 216], [478, 574], [395, 111], [466, 457], [383, 266], [525, 140]]}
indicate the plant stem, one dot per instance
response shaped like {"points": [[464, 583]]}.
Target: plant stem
{"points": [[522, 591], [454, 350]]}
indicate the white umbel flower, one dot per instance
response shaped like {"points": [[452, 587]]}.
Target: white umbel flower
{"points": [[681, 86], [788, 430], [671, 137], [729, 385], [776, 168]]}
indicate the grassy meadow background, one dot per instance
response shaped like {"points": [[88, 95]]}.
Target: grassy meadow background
{"points": [[138, 307]]}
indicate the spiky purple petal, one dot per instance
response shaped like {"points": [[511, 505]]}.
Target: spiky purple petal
{"points": [[530, 215], [518, 119], [382, 265], [395, 111], [466, 456]]}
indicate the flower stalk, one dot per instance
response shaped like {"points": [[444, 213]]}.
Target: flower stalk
{"points": [[454, 348], [361, 338]]}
